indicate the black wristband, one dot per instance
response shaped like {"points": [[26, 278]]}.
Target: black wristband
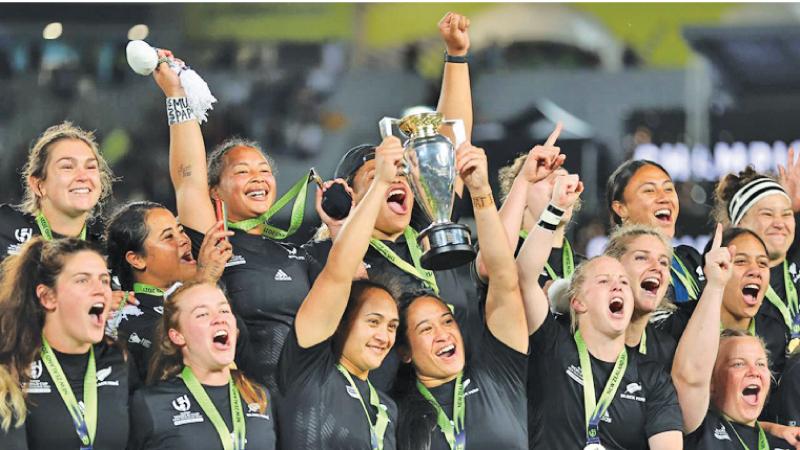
{"points": [[455, 59]]}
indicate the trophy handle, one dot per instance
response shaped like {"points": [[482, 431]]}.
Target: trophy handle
{"points": [[459, 132], [385, 126]]}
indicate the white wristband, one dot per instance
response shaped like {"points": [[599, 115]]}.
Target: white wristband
{"points": [[178, 110]]}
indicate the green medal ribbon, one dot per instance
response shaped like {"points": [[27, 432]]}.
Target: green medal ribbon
{"points": [[594, 409], [416, 253], [377, 430], [84, 419], [47, 232], [230, 441], [298, 193], [685, 277], [142, 288], [789, 310], [763, 443], [454, 430], [567, 260], [643, 343]]}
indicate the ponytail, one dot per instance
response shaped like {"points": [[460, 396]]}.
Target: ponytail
{"points": [[251, 393]]}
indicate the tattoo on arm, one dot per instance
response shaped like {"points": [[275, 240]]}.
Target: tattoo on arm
{"points": [[185, 170]]}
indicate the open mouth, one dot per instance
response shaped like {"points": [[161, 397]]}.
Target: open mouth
{"points": [[97, 310], [750, 394], [664, 215], [187, 257], [750, 294], [651, 285], [256, 194], [397, 200], [221, 338], [80, 190], [447, 352], [616, 306]]}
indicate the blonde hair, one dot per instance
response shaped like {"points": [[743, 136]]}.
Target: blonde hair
{"points": [[621, 239], [575, 285], [39, 154], [507, 174], [167, 360]]}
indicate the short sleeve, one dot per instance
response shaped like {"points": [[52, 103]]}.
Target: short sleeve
{"points": [[544, 340], [663, 410], [301, 366], [500, 360], [675, 323], [141, 423]]}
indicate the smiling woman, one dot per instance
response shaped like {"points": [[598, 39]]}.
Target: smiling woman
{"points": [[642, 192], [54, 300], [66, 180], [197, 400]]}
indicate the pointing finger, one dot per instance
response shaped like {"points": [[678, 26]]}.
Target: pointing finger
{"points": [[717, 243], [553, 136]]}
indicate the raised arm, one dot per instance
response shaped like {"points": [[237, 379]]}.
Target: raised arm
{"points": [[542, 160], [505, 315], [323, 307], [697, 349], [187, 158], [455, 99], [789, 177], [536, 249]]}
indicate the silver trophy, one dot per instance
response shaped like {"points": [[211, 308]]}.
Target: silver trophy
{"points": [[430, 167]]}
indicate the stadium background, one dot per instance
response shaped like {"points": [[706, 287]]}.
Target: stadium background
{"points": [[702, 88]]}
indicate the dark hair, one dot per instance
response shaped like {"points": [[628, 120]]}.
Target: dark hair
{"points": [[22, 315], [126, 231], [728, 236], [352, 160], [357, 297], [618, 181], [215, 159], [727, 187], [417, 416]]}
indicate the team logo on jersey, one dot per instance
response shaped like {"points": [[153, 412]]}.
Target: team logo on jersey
{"points": [[351, 391], [135, 339], [36, 386], [182, 403], [36, 369], [293, 254], [253, 407], [102, 374], [280, 275], [575, 373], [721, 433], [470, 391], [23, 234], [235, 260], [159, 309], [254, 410], [631, 391]]}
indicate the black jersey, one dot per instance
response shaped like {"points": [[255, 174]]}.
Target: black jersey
{"points": [[494, 392], [767, 327], [659, 346], [716, 433], [136, 326], [17, 227], [645, 403], [321, 410], [266, 282], [785, 401], [166, 416], [458, 287], [49, 425]]}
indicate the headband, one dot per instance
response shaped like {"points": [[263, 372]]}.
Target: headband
{"points": [[749, 194]]}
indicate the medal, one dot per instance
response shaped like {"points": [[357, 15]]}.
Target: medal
{"points": [[594, 447]]}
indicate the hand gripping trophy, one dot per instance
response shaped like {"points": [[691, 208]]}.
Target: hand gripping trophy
{"points": [[430, 167]]}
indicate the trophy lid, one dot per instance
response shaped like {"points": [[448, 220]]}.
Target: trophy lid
{"points": [[421, 124]]}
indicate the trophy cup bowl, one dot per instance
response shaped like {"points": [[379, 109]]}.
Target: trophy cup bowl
{"points": [[430, 167]]}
